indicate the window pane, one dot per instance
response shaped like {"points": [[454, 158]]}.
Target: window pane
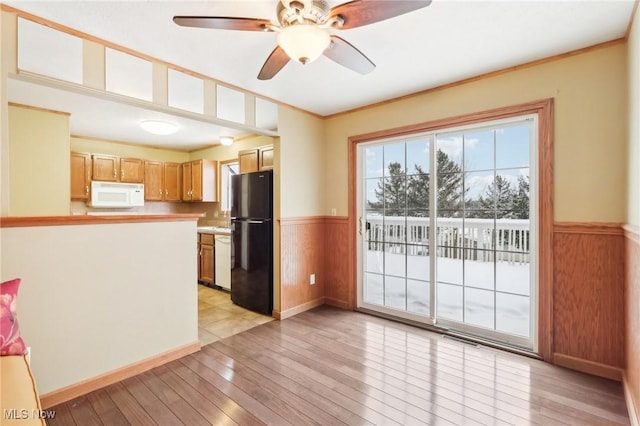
{"points": [[418, 262], [449, 301], [478, 269], [450, 265], [374, 193], [512, 146], [395, 196], [449, 191], [478, 151], [374, 260], [512, 314], [478, 307], [395, 292], [373, 288], [418, 228], [394, 159], [374, 165], [512, 277], [418, 191], [478, 191], [373, 226], [418, 156], [449, 157], [418, 297], [394, 260]]}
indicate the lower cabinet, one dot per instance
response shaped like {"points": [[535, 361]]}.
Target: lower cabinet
{"points": [[206, 255]]}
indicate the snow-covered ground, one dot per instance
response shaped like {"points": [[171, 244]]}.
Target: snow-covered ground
{"points": [[465, 289]]}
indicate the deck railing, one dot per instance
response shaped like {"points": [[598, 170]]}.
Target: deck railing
{"points": [[506, 240]]}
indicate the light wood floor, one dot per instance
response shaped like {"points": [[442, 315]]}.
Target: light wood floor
{"points": [[332, 367], [218, 317]]}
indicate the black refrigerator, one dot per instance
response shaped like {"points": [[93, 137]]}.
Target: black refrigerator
{"points": [[252, 231]]}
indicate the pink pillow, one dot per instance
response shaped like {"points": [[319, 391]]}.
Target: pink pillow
{"points": [[10, 341]]}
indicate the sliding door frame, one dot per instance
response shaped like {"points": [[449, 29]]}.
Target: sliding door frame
{"points": [[544, 110]]}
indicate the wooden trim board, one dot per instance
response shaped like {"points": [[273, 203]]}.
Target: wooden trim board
{"points": [[631, 406], [280, 315], [594, 228], [589, 367], [67, 393]]}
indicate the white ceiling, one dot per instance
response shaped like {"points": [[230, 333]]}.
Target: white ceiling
{"points": [[445, 42]]}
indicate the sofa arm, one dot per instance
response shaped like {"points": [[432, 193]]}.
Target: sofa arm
{"points": [[19, 400]]}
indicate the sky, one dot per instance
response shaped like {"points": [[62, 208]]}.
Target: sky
{"points": [[507, 149]]}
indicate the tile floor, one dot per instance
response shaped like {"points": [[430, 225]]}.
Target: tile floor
{"points": [[218, 317]]}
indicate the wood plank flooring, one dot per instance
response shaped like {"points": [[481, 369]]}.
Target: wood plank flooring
{"points": [[333, 367]]}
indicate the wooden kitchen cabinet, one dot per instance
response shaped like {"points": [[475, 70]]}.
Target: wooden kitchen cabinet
{"points": [[153, 180], [131, 170], [161, 181], [172, 181], [253, 160], [80, 175], [248, 160], [206, 253], [105, 167], [265, 161], [199, 181]]}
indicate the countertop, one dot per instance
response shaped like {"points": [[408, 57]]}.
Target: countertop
{"points": [[216, 230], [15, 222]]}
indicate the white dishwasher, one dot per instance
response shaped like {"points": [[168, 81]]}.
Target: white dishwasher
{"points": [[223, 261]]}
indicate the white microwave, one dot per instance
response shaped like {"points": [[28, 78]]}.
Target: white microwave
{"points": [[113, 194]]}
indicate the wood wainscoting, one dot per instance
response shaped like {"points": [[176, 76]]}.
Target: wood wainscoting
{"points": [[632, 314], [589, 323], [313, 245]]}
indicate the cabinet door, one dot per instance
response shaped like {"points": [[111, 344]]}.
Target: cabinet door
{"points": [[105, 167], [131, 170], [248, 160], [196, 180], [186, 181], [266, 158], [80, 175], [207, 263], [172, 181], [153, 181]]}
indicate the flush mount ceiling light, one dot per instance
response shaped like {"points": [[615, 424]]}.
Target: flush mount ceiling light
{"points": [[226, 140], [158, 127]]}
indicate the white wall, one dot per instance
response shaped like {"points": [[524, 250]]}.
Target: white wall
{"points": [[95, 298]]}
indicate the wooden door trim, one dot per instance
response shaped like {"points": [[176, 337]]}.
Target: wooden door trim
{"points": [[544, 109]]}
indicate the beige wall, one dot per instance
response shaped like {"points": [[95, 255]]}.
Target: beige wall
{"points": [[222, 153], [633, 193], [302, 163], [590, 128], [93, 146], [38, 163], [101, 296]]}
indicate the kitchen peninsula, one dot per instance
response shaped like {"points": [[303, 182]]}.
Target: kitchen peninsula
{"points": [[111, 295]]}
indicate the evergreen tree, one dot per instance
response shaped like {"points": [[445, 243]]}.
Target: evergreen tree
{"points": [[391, 191], [499, 196], [521, 198], [449, 183], [418, 192]]}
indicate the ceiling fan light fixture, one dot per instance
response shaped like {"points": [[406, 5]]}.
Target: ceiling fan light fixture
{"points": [[303, 43], [226, 140], [158, 127]]}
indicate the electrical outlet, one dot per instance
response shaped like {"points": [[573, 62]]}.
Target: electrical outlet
{"points": [[312, 279], [333, 211]]}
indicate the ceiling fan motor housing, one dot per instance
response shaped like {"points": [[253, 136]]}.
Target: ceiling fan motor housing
{"points": [[298, 12]]}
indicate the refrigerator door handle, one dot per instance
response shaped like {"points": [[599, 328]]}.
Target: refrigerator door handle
{"points": [[255, 221]]}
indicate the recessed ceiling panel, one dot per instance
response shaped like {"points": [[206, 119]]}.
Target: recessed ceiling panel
{"points": [[266, 114], [43, 50], [128, 75], [186, 92], [230, 104]]}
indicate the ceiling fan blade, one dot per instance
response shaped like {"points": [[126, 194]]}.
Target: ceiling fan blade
{"points": [[223, 23], [345, 54], [274, 63], [364, 12]]}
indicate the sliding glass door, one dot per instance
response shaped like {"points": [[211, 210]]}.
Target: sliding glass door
{"points": [[446, 231]]}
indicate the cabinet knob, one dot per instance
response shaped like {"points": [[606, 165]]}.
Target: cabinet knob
{"points": [[161, 193], [122, 174], [114, 173], [86, 189]]}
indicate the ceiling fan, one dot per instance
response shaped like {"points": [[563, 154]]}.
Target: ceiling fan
{"points": [[303, 30]]}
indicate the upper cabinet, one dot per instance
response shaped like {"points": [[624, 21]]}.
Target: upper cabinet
{"points": [[253, 160], [162, 181], [199, 181], [131, 170], [105, 167], [80, 175], [114, 169]]}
